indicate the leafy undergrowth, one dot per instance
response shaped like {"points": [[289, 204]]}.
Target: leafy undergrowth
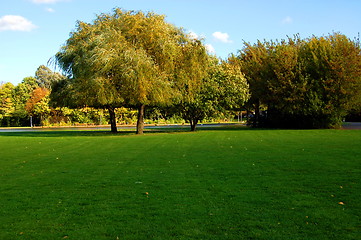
{"points": [[213, 184]]}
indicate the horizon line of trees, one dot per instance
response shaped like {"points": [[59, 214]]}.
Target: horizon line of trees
{"points": [[302, 83], [134, 65], [29, 104], [138, 60]]}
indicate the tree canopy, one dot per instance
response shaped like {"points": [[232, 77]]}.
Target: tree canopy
{"points": [[133, 60], [125, 58], [222, 88], [45, 78], [310, 83], [6, 100]]}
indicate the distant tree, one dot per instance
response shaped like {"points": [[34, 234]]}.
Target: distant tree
{"points": [[309, 83], [22, 92], [233, 89], [286, 86], [224, 88], [38, 103], [6, 102], [122, 59], [192, 67], [45, 77], [333, 73], [254, 61]]}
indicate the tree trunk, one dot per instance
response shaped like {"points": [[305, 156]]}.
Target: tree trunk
{"points": [[140, 121], [257, 114], [113, 120], [193, 123]]}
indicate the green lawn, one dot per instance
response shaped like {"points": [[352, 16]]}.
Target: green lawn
{"points": [[212, 184]]}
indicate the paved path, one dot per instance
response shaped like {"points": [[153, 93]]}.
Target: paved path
{"points": [[107, 128], [352, 126], [346, 125]]}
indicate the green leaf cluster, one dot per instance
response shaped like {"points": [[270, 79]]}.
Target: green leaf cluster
{"points": [[122, 59], [306, 83], [6, 100], [222, 88]]}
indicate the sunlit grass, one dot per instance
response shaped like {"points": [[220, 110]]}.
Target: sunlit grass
{"points": [[213, 184]]}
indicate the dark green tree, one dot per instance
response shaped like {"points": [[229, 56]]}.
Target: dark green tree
{"points": [[254, 61], [332, 67], [223, 88], [22, 92], [309, 83]]}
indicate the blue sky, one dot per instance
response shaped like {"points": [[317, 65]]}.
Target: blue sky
{"points": [[32, 31]]}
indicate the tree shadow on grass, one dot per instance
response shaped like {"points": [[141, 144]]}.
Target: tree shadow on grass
{"points": [[63, 133], [89, 133]]}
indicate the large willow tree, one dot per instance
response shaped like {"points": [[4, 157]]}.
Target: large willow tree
{"points": [[125, 58]]}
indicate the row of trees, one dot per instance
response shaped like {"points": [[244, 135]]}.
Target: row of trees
{"points": [[133, 60], [302, 83], [29, 104], [27, 99]]}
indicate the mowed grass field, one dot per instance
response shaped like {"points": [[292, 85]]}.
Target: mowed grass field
{"points": [[225, 183]]}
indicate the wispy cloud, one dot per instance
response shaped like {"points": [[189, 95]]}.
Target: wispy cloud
{"points": [[16, 23], [49, 10], [222, 37], [287, 20]]}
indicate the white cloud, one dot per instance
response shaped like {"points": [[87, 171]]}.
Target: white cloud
{"points": [[46, 1], [49, 10], [287, 20], [210, 49], [222, 37], [16, 23], [193, 35]]}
